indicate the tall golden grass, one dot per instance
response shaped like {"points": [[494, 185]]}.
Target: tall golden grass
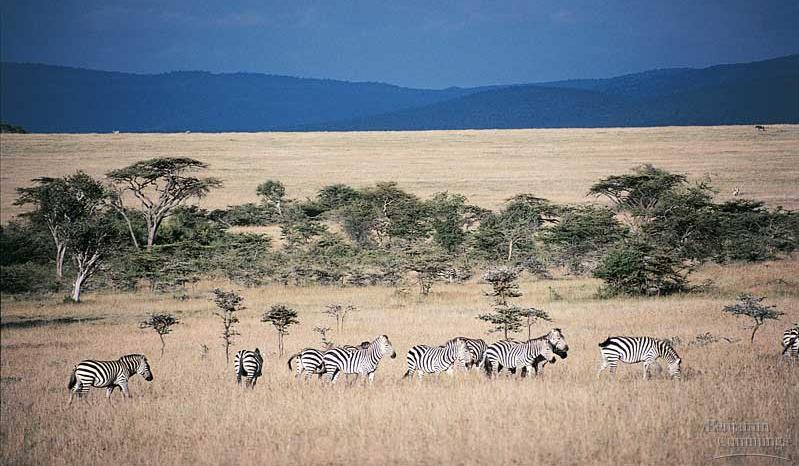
{"points": [[194, 413]]}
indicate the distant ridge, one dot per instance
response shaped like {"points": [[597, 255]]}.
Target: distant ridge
{"points": [[44, 98]]}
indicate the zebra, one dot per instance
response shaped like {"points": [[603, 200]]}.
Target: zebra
{"points": [[435, 359], [512, 354], [310, 360], [476, 350], [248, 364], [362, 361], [790, 341], [632, 350], [559, 347], [108, 375]]}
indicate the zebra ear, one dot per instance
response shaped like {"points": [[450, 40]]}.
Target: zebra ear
{"points": [[257, 351]]}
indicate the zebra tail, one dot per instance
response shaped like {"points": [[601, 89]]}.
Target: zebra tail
{"points": [[291, 358], [407, 374], [786, 349], [73, 380], [605, 343]]}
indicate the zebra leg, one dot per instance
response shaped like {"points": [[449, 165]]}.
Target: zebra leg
{"points": [[124, 387], [371, 377], [646, 368], [602, 367], [449, 371], [109, 391]]}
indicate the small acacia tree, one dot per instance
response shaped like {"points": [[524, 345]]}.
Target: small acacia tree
{"points": [[162, 324], [281, 317], [531, 317], [322, 331], [504, 286], [160, 185], [228, 302], [750, 306], [340, 313], [273, 195]]}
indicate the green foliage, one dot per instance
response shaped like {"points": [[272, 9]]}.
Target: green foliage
{"points": [[504, 284], [162, 324], [336, 196], [297, 228], [248, 214], [228, 303], [26, 277], [582, 235], [448, 220], [160, 185], [636, 268], [532, 316], [505, 319], [750, 306], [640, 193], [9, 128], [281, 317], [509, 235], [23, 242]]}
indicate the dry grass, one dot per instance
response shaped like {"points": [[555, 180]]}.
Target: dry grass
{"points": [[193, 412], [487, 166]]}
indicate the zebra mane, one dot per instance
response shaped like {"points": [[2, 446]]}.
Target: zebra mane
{"points": [[132, 361]]}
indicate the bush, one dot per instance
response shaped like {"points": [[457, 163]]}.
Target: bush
{"points": [[637, 268], [28, 277]]}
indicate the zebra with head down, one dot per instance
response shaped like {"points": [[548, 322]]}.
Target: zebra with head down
{"points": [[248, 365], [515, 355], [310, 361]]}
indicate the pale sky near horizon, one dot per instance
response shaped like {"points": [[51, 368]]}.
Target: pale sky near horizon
{"points": [[430, 44]]}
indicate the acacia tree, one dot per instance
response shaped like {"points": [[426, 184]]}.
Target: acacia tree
{"points": [[749, 306], [229, 303], [90, 241], [340, 313], [511, 231], [282, 317], [272, 194], [160, 185], [504, 286], [162, 324], [61, 204]]}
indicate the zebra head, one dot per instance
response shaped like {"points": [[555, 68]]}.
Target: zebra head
{"points": [[383, 346], [458, 347], [558, 342], [673, 360], [137, 364]]}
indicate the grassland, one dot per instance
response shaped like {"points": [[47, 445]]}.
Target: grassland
{"points": [[193, 412]]}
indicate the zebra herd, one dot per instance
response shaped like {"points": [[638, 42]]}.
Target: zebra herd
{"points": [[362, 360]]}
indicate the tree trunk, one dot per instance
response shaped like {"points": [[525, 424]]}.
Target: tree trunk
{"points": [[510, 250], [752, 339], [76, 287], [130, 229], [162, 344], [61, 251]]}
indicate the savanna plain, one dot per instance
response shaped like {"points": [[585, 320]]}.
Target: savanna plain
{"points": [[193, 412]]}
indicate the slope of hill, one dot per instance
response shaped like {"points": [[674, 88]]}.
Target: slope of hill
{"points": [[46, 98], [58, 99]]}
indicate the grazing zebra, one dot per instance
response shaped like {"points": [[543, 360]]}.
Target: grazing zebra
{"points": [[425, 359], [476, 350], [362, 361], [632, 350], [790, 341], [108, 375], [248, 364], [310, 360], [559, 347], [512, 354]]}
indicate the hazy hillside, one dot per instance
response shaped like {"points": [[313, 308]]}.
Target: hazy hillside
{"points": [[45, 98], [762, 92]]}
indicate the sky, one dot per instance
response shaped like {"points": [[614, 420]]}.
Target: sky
{"points": [[427, 43]]}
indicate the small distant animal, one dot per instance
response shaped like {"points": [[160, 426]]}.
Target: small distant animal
{"points": [[248, 365], [790, 342], [736, 192], [760, 127], [116, 132], [632, 350], [108, 375]]}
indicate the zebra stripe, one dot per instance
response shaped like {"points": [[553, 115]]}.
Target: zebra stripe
{"points": [[248, 364], [362, 361], [476, 350], [435, 359], [632, 350], [310, 360], [527, 355], [790, 342], [108, 375]]}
